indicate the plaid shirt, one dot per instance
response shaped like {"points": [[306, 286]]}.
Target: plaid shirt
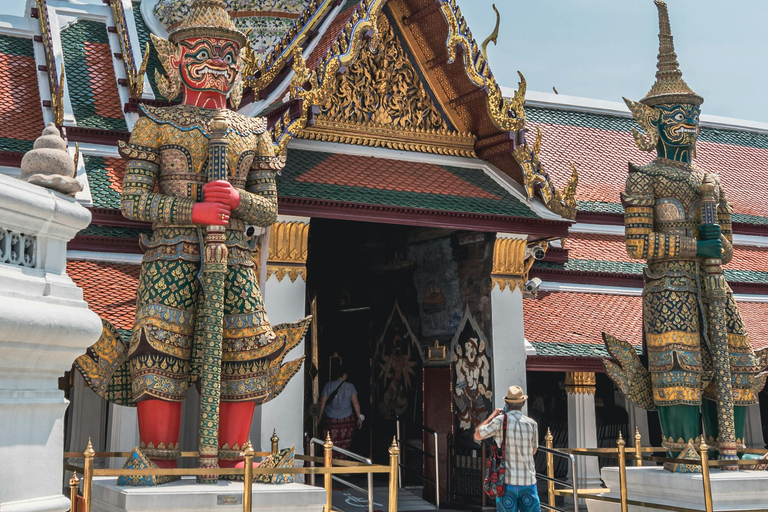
{"points": [[522, 439]]}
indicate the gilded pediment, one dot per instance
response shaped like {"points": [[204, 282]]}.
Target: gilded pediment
{"points": [[381, 101]]}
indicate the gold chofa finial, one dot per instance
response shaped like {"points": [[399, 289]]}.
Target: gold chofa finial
{"points": [[670, 88]]}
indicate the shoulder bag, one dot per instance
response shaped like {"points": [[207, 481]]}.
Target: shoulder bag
{"points": [[497, 466]]}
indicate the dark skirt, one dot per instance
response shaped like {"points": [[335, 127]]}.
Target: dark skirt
{"points": [[341, 430]]}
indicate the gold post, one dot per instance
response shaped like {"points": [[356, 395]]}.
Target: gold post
{"points": [[74, 483], [275, 440], [638, 454], [394, 457], [622, 472], [708, 506], [328, 459], [550, 469], [88, 474], [248, 477]]}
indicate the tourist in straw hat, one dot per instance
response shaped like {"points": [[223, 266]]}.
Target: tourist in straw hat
{"points": [[522, 439]]}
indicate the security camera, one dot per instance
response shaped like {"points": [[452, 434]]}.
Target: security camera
{"points": [[532, 286], [538, 253], [250, 231]]}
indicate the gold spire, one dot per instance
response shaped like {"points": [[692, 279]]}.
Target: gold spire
{"points": [[670, 88], [207, 18]]}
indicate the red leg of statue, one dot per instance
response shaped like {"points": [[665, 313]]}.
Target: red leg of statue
{"points": [[234, 428], [159, 425]]}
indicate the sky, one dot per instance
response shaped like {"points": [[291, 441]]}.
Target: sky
{"points": [[606, 49]]}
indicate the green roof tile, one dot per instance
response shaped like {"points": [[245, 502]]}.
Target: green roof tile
{"points": [[114, 231], [633, 268], [102, 194], [300, 162], [572, 349], [18, 46], [90, 91]]}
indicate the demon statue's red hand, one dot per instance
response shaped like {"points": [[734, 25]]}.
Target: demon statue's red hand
{"points": [[210, 214], [221, 192]]}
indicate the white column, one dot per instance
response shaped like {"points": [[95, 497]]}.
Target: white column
{"points": [[753, 429], [508, 336], [285, 295], [582, 425], [44, 326], [509, 352]]}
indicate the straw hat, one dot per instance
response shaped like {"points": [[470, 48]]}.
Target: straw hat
{"points": [[515, 395]]}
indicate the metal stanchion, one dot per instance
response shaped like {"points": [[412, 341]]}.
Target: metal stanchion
{"points": [[394, 457], [274, 440], [550, 469], [622, 473], [328, 459], [88, 475], [638, 453], [708, 506], [74, 483], [248, 477]]}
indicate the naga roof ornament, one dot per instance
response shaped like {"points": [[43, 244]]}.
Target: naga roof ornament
{"points": [[669, 88]]}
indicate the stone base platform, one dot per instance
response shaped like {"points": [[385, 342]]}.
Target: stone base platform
{"points": [[731, 490], [187, 496]]}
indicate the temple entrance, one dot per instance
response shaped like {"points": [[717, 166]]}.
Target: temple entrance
{"points": [[366, 305]]}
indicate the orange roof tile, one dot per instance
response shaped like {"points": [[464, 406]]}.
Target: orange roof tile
{"points": [[108, 288], [21, 114], [397, 175], [581, 318]]}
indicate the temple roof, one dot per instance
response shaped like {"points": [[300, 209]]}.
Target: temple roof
{"points": [[570, 324], [600, 145], [21, 115]]}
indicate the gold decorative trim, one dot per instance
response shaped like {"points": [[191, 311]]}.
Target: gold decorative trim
{"points": [[257, 73], [439, 142], [580, 383], [288, 250], [395, 110], [507, 114], [560, 202], [313, 87], [55, 82], [135, 77], [512, 263]]}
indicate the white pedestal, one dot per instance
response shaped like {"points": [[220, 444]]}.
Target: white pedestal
{"points": [[187, 496], [731, 490], [44, 326]]}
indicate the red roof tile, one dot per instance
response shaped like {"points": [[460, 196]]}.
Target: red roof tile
{"points": [[367, 172], [108, 288], [611, 248], [21, 115], [580, 318], [102, 79], [329, 36], [115, 168], [602, 156]]}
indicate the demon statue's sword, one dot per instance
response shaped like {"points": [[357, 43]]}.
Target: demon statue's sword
{"points": [[214, 272], [716, 328]]}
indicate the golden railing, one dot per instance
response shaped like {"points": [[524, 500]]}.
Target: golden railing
{"points": [[329, 468], [635, 454]]}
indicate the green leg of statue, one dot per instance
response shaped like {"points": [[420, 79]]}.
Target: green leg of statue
{"points": [[709, 411], [679, 424]]}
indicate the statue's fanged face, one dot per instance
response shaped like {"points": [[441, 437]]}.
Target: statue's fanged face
{"points": [[678, 124], [209, 64]]}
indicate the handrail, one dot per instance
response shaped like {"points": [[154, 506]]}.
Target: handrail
{"points": [[328, 470], [353, 455], [552, 481], [436, 481], [621, 453]]}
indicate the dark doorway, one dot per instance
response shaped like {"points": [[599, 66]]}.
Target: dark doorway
{"points": [[358, 272]]}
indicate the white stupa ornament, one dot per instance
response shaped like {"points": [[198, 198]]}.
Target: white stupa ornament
{"points": [[49, 164]]}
